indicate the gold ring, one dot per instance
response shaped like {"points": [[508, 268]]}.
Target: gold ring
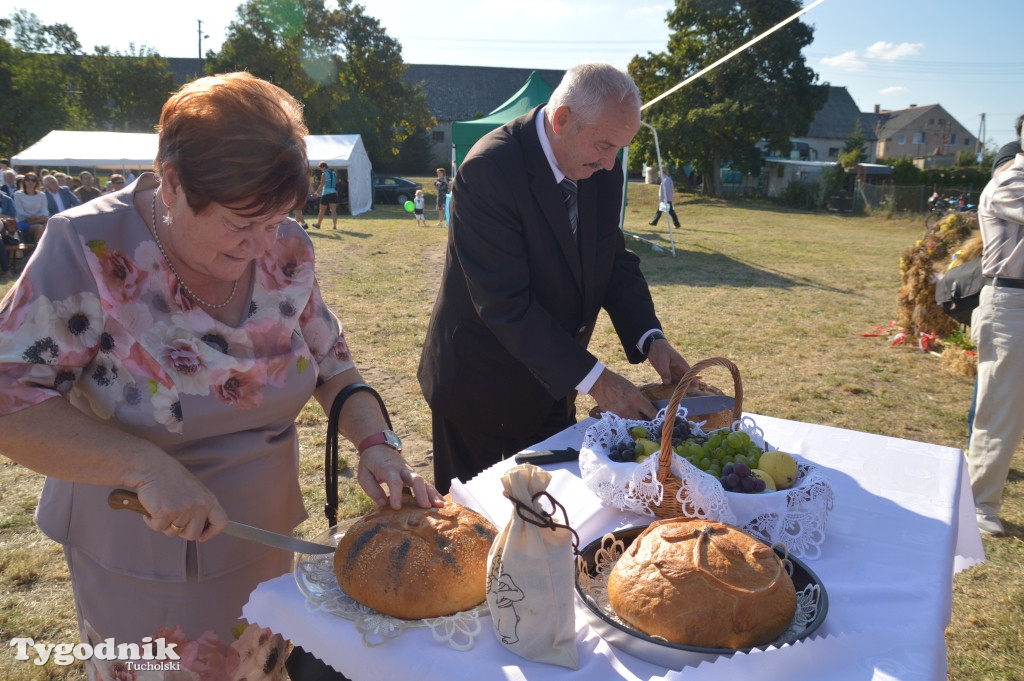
{"points": [[176, 528]]}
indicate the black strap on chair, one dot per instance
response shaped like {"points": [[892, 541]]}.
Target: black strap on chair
{"points": [[331, 453]]}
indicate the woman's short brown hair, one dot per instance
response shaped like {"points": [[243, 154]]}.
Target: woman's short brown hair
{"points": [[236, 140]]}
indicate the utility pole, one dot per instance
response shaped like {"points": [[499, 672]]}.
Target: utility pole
{"points": [[201, 36], [979, 143]]}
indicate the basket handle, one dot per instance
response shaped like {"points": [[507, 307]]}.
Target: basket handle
{"points": [[665, 457]]}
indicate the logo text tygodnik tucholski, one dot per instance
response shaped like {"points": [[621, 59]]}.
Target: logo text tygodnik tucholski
{"points": [[151, 654]]}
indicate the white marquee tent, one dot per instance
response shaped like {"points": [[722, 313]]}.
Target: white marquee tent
{"points": [[131, 150], [107, 150], [345, 152]]}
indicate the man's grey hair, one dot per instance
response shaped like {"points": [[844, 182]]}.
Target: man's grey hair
{"points": [[588, 87]]}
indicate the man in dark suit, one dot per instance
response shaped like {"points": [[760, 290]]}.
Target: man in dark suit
{"points": [[10, 183], [58, 199], [528, 269]]}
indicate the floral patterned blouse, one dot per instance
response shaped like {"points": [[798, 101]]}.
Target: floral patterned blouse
{"points": [[97, 318]]}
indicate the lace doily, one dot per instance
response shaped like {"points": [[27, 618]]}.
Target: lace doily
{"points": [[795, 517], [315, 577], [592, 580]]}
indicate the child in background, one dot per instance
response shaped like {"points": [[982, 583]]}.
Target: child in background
{"points": [[418, 209]]}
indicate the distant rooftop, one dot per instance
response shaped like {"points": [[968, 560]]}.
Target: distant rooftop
{"points": [[459, 93], [837, 118]]}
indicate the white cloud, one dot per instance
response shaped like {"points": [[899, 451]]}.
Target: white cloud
{"points": [[847, 60], [891, 51], [880, 51], [893, 90]]}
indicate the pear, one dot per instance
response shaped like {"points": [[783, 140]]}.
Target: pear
{"points": [[780, 466], [645, 447], [769, 481]]}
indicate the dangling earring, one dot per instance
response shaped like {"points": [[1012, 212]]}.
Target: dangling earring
{"points": [[168, 219]]}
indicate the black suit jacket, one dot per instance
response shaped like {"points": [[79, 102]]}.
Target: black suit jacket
{"points": [[519, 297]]}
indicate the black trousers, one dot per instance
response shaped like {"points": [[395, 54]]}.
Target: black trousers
{"points": [[671, 212], [462, 452]]}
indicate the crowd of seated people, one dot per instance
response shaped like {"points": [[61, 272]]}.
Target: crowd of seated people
{"points": [[28, 199]]}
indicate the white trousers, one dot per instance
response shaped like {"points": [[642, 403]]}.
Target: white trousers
{"points": [[997, 329]]}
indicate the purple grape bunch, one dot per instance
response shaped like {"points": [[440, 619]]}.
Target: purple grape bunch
{"points": [[738, 478], [680, 431], [623, 451]]}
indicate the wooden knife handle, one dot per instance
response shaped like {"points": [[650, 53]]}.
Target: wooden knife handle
{"points": [[125, 498]]}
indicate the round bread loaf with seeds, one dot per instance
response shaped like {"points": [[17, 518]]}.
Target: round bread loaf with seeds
{"points": [[416, 562]]}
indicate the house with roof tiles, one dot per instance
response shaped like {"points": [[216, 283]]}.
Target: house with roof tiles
{"points": [[834, 123], [928, 134]]}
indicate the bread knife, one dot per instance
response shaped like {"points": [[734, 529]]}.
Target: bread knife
{"points": [[700, 405], [123, 498]]}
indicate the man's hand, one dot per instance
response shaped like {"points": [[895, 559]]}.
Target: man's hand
{"points": [[669, 364], [619, 396]]}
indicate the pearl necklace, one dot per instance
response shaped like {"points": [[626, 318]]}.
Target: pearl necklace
{"points": [[191, 294]]}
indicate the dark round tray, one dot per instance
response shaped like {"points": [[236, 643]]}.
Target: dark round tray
{"points": [[674, 655]]}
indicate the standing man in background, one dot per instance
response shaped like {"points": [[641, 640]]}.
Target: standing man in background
{"points": [[534, 253], [997, 330], [328, 194], [666, 193], [441, 187]]}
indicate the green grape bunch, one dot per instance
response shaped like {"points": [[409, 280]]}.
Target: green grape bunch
{"points": [[719, 449], [726, 454]]}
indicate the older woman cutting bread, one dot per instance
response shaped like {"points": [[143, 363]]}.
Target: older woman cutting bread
{"points": [[171, 356]]}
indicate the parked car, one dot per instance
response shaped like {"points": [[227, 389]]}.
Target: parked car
{"points": [[392, 189]]}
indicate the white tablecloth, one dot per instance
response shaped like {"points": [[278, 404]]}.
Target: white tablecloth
{"points": [[902, 526]]}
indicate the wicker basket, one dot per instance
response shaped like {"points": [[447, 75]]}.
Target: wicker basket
{"points": [[670, 506]]}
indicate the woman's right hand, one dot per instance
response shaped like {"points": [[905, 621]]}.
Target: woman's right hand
{"points": [[36, 437], [179, 505]]}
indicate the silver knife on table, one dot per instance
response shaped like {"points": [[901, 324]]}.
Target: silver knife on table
{"points": [[127, 499]]}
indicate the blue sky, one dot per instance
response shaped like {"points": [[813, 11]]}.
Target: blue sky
{"points": [[888, 52]]}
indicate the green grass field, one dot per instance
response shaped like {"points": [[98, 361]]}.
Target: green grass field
{"points": [[784, 294]]}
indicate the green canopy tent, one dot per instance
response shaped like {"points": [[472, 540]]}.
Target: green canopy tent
{"points": [[465, 133]]}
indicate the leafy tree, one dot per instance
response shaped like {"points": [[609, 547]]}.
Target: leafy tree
{"points": [[47, 84], [904, 172], [40, 94], [855, 148], [966, 158], [416, 155], [9, 137], [765, 93], [339, 62], [123, 93], [31, 35]]}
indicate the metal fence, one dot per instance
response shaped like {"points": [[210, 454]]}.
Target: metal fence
{"points": [[910, 198]]}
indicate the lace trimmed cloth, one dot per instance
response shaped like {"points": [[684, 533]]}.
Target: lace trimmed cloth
{"points": [[795, 517], [318, 583]]}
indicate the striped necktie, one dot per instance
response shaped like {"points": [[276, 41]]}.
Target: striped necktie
{"points": [[568, 188]]}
